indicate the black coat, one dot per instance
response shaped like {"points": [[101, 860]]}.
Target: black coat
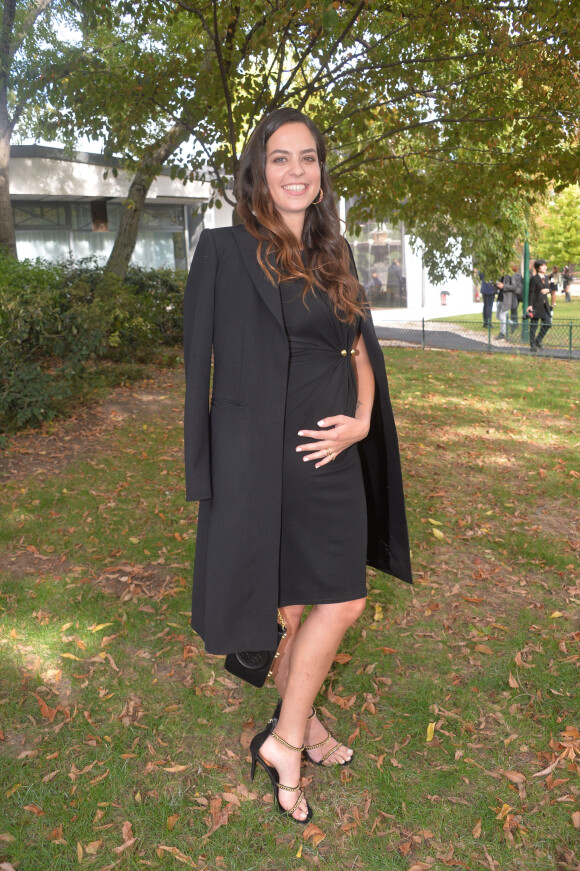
{"points": [[540, 302], [233, 453]]}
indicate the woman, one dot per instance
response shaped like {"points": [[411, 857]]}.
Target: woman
{"points": [[539, 308], [555, 282], [289, 505]]}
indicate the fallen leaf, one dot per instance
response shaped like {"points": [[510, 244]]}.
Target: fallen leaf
{"points": [[48, 713], [175, 769], [341, 658], [181, 857], [7, 839], [476, 831], [483, 648], [576, 819], [513, 776], [438, 534], [34, 809], [430, 732], [312, 832], [92, 848], [513, 682], [171, 821], [79, 851], [505, 809], [556, 614], [421, 866]]}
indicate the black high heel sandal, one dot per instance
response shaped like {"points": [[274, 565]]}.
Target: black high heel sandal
{"points": [[272, 773], [328, 738]]}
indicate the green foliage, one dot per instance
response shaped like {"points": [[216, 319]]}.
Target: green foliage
{"points": [[56, 319], [558, 236]]}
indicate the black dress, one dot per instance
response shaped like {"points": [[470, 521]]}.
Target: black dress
{"points": [[324, 524]]}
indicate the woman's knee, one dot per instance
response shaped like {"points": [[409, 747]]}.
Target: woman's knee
{"points": [[345, 613]]}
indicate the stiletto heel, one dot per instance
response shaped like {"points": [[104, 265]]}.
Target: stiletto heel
{"points": [[328, 738], [272, 773]]}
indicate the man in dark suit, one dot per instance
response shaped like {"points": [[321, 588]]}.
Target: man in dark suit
{"points": [[487, 290], [539, 308]]}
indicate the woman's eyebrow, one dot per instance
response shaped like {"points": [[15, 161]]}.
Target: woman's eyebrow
{"points": [[284, 151]]}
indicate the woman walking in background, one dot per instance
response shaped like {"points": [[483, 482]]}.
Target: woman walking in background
{"points": [[296, 466]]}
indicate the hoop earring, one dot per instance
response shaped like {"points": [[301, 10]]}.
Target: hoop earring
{"points": [[318, 199]]}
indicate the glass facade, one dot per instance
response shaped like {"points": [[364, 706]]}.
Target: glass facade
{"points": [[61, 230], [379, 254]]}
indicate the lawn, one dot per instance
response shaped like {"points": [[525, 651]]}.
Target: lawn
{"points": [[123, 745], [562, 314]]}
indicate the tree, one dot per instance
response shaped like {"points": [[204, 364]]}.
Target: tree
{"points": [[18, 23], [557, 238], [433, 111]]}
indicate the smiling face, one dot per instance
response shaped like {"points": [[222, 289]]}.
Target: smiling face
{"points": [[292, 173]]}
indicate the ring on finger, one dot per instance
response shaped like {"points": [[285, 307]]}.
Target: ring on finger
{"points": [[328, 452], [332, 455]]}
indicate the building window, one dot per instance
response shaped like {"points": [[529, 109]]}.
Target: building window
{"points": [[379, 257]]}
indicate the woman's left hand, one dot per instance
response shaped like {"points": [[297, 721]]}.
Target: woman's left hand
{"points": [[337, 434]]}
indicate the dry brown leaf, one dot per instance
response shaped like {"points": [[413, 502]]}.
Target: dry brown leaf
{"points": [[181, 857], [48, 713], [513, 776], [405, 847], [232, 798], [483, 648], [342, 658], [6, 866], [93, 848], [313, 833], [171, 821], [513, 682], [476, 831], [79, 851], [7, 839], [576, 819], [421, 866], [48, 777], [34, 809], [175, 769]]}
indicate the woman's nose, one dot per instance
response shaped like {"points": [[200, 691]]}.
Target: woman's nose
{"points": [[296, 168]]}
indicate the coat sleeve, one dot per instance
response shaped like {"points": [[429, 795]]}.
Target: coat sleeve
{"points": [[198, 318]]}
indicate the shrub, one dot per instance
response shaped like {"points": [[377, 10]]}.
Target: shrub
{"points": [[54, 318]]}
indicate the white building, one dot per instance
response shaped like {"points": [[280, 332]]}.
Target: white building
{"points": [[70, 205]]}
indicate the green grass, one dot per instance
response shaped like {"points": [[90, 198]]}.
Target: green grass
{"points": [[94, 604], [563, 313]]}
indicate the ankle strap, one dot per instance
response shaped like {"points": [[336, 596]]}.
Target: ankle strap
{"points": [[313, 714], [286, 744]]}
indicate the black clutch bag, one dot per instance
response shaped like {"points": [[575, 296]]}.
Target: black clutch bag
{"points": [[254, 666]]}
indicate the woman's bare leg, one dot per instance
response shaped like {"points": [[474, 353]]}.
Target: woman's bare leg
{"points": [[308, 660]]}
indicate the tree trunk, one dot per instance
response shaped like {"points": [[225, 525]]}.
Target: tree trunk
{"points": [[118, 262], [7, 236]]}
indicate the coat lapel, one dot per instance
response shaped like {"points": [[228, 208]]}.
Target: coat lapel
{"points": [[248, 246]]}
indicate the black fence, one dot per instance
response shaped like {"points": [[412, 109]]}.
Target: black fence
{"points": [[561, 340]]}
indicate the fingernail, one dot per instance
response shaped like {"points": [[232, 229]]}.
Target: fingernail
{"points": [[320, 423], [298, 449], [301, 433], [305, 459]]}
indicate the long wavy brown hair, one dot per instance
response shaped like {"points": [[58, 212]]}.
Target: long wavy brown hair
{"points": [[321, 258]]}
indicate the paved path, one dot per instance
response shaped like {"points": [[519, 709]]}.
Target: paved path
{"points": [[451, 339]]}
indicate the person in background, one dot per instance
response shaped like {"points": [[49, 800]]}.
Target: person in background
{"points": [[539, 308], [566, 282], [555, 284], [515, 284], [487, 291], [394, 276], [374, 286]]}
